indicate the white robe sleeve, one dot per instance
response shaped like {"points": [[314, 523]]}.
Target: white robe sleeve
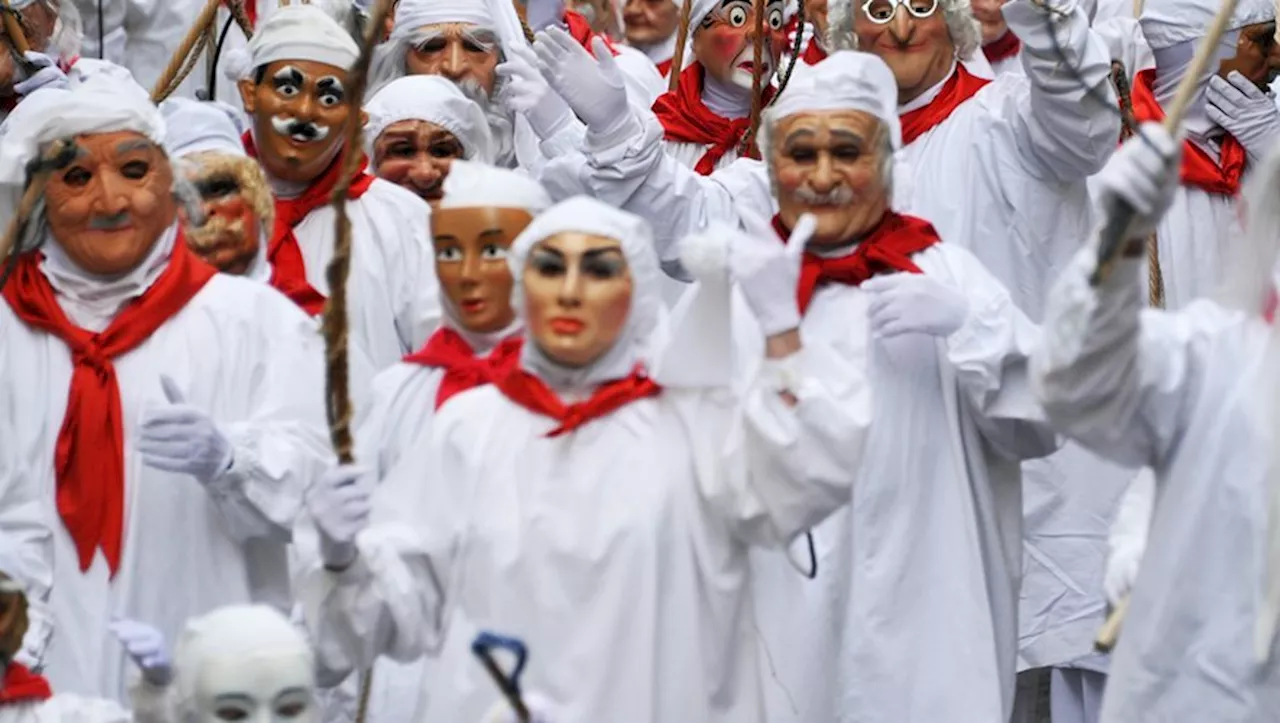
{"points": [[284, 443], [990, 354], [1115, 377], [1068, 126]]}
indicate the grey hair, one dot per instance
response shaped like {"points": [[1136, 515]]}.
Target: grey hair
{"points": [[966, 35], [883, 142]]}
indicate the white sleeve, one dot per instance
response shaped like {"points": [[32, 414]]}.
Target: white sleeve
{"points": [[67, 708], [1128, 537], [283, 444], [1118, 378], [1067, 127], [990, 354]]}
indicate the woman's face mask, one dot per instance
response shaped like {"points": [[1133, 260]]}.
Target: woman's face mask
{"points": [[259, 688]]}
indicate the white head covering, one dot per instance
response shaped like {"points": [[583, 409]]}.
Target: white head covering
{"points": [[583, 214], [474, 184], [497, 15], [434, 99], [1168, 22], [233, 631], [302, 32], [846, 80], [198, 126]]}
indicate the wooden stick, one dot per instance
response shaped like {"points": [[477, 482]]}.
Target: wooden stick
{"points": [[677, 60], [13, 28], [335, 326], [30, 197], [757, 80], [504, 685], [180, 65], [1110, 631]]}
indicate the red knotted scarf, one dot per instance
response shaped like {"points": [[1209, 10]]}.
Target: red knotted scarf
{"points": [[961, 86], [887, 249], [813, 53], [580, 30], [89, 461], [1002, 48], [533, 394], [463, 370], [1199, 170], [22, 686], [288, 272], [686, 119], [665, 67]]}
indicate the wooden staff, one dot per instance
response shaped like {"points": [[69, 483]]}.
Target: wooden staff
{"points": [[757, 80], [188, 54], [1110, 631], [335, 326], [1115, 235], [59, 154], [13, 29], [682, 36]]}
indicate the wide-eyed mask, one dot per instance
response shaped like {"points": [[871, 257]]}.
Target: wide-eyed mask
{"points": [[465, 54], [471, 262], [724, 42], [1257, 55], [111, 203], [13, 619], [831, 164], [237, 206], [650, 22], [300, 109], [37, 21], [416, 155], [912, 38], [577, 296]]}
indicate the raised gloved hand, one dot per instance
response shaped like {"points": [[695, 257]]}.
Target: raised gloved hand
{"points": [[145, 645], [340, 504], [47, 75], [177, 437], [529, 93], [1244, 111], [593, 87], [905, 303], [1143, 174], [768, 271]]}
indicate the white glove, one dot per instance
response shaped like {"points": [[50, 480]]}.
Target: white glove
{"points": [[1143, 174], [1245, 111], [47, 75], [340, 504], [145, 644], [529, 93], [768, 271], [593, 87], [180, 438], [904, 303], [1128, 537]]}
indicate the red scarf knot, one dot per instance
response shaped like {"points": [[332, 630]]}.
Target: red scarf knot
{"points": [[1002, 48], [580, 30], [89, 451], [288, 271], [686, 119], [665, 67], [887, 249], [23, 686], [960, 87], [1199, 169], [446, 349], [533, 394]]}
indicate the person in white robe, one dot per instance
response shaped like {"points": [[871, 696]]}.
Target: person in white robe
{"points": [[299, 99], [609, 531], [651, 26], [418, 125], [170, 415], [1190, 393]]}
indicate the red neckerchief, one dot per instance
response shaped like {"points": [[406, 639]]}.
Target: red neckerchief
{"points": [[288, 272], [1002, 48], [89, 461], [580, 30], [961, 86], [22, 686], [463, 370], [250, 11], [813, 53], [686, 119], [665, 67], [533, 394], [887, 249], [1199, 170]]}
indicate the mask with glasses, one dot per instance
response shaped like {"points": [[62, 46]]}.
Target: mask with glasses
{"points": [[881, 12]]}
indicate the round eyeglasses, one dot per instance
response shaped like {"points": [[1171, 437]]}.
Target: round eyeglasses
{"points": [[881, 12]]}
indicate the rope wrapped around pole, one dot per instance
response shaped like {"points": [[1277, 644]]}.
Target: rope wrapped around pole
{"points": [[335, 326], [188, 54], [757, 79], [682, 36]]}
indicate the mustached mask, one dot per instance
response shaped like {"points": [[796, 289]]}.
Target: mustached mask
{"points": [[237, 209]]}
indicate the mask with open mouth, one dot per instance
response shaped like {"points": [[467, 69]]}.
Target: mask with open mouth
{"points": [[299, 109], [724, 42]]}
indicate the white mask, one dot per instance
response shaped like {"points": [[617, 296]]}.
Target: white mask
{"points": [[245, 663]]}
